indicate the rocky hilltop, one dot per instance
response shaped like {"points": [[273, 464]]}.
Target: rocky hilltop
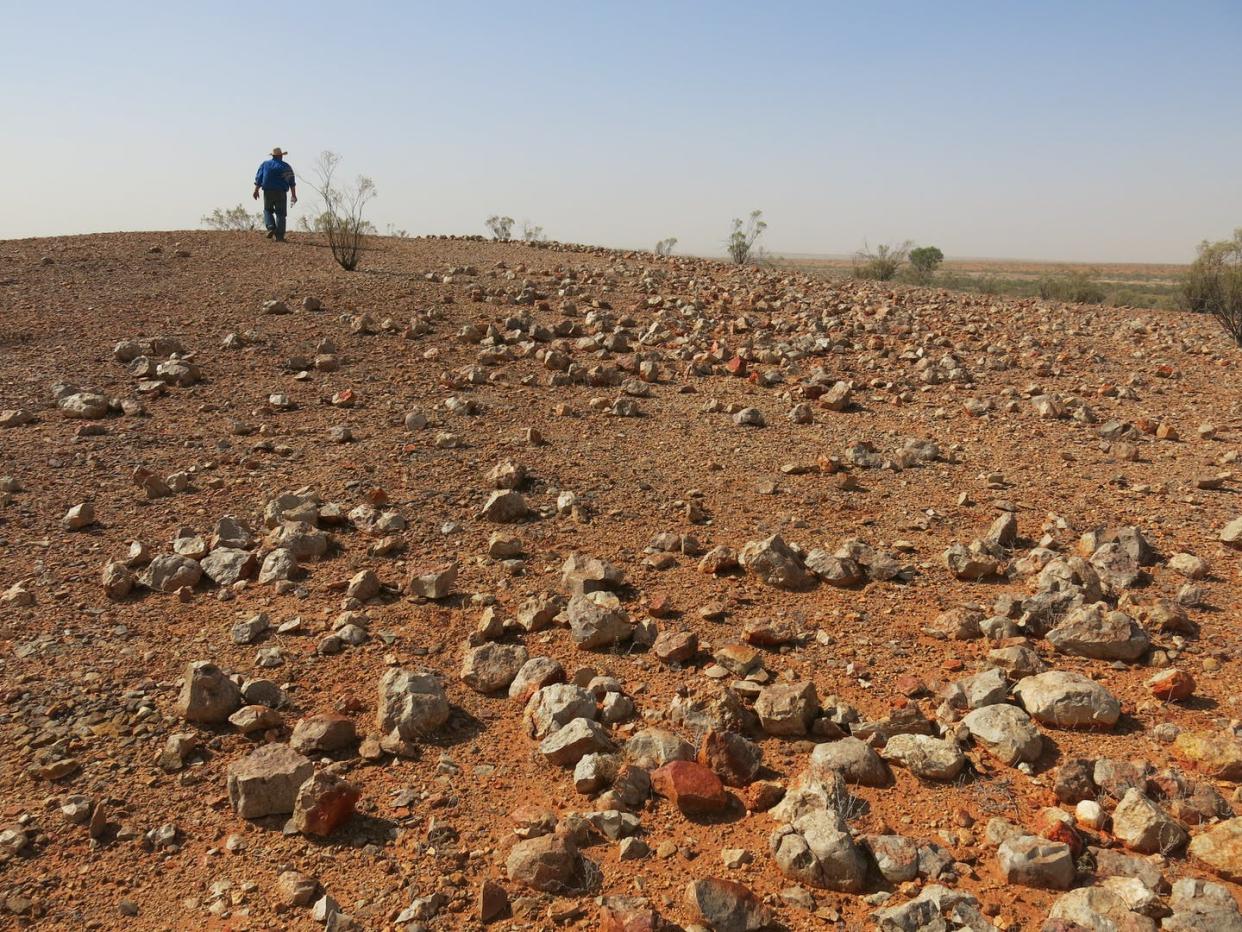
{"points": [[533, 588]]}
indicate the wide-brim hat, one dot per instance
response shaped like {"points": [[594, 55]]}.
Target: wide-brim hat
{"points": [[278, 152]]}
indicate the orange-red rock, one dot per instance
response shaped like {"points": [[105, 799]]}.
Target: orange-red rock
{"points": [[689, 785], [1172, 685]]}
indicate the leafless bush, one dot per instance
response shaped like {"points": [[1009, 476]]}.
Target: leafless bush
{"points": [[234, 218], [501, 227], [995, 797], [665, 246], [742, 239], [341, 219], [882, 263], [532, 234]]}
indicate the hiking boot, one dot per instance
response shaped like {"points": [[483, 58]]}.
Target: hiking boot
{"points": [[271, 234]]}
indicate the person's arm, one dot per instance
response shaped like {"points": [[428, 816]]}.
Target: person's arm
{"points": [[293, 187], [258, 180]]}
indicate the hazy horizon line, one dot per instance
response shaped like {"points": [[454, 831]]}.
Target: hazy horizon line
{"points": [[722, 256]]}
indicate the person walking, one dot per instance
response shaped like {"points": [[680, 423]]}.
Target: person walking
{"points": [[276, 180]]}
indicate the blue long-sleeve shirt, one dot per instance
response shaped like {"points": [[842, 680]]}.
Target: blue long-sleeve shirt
{"points": [[275, 175]]}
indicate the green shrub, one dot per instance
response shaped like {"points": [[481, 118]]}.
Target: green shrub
{"points": [[925, 260], [1073, 286], [1214, 284]]}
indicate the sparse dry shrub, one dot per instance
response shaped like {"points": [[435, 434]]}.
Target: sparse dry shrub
{"points": [[341, 219], [501, 228], [1073, 286], [882, 263], [232, 218], [742, 239]]}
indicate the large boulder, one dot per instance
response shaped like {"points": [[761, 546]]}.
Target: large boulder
{"points": [[1217, 754], [935, 908], [568, 745], [1067, 700], [812, 794], [1202, 906], [655, 747], [1117, 567], [732, 757], [170, 572], [504, 507], [1231, 533], [84, 405], [227, 565], [412, 705], [323, 733], [536, 673], [1098, 909], [582, 575], [552, 707]]}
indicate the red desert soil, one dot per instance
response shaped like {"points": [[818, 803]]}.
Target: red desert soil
{"points": [[552, 343]]}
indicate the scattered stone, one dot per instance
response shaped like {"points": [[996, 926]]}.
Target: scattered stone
{"points": [[1143, 826], [853, 759], [725, 906], [266, 781], [1067, 700], [1220, 849], [787, 709], [323, 734], [817, 849], [323, 804], [491, 667], [549, 864], [773, 561], [691, 787], [412, 705], [434, 583], [1007, 732], [1036, 862], [207, 695]]}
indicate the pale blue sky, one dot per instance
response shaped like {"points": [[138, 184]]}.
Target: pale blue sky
{"points": [[1044, 130]]}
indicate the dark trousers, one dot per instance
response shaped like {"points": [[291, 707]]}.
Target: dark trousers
{"points": [[275, 208]]}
